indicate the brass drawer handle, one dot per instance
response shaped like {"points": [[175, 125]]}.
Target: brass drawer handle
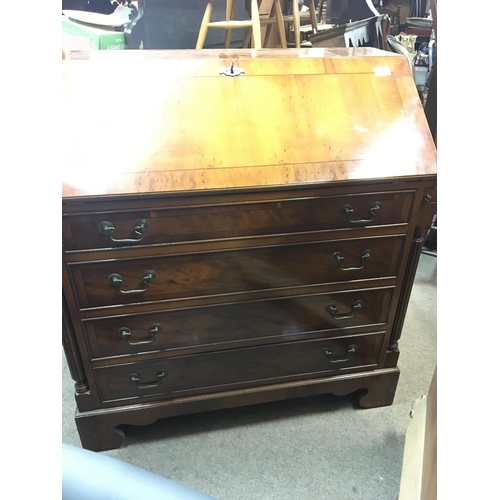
{"points": [[357, 305], [347, 210], [115, 279], [134, 377], [125, 333], [338, 258], [328, 353], [140, 227]]}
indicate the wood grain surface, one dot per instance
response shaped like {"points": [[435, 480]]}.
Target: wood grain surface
{"points": [[198, 374], [295, 116], [227, 326], [235, 240]]}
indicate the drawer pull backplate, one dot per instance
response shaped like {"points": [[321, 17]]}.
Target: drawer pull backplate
{"points": [[140, 227], [356, 306], [115, 279], [347, 211], [125, 333], [338, 258], [134, 377], [329, 354]]}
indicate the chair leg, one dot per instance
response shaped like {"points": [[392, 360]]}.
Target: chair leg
{"points": [[257, 39], [204, 25], [248, 38], [296, 22], [269, 27], [312, 13], [276, 15], [230, 12], [280, 23]]}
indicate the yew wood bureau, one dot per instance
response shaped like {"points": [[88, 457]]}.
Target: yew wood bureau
{"points": [[238, 227]]}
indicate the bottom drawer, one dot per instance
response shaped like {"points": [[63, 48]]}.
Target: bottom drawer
{"points": [[225, 370]]}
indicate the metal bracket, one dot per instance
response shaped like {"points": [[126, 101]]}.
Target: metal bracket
{"points": [[232, 71]]}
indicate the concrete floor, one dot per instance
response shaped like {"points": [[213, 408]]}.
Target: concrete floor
{"points": [[312, 448]]}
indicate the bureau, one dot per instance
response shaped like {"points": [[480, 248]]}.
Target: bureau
{"points": [[232, 240]]}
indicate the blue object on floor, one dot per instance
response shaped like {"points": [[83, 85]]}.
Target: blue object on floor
{"points": [[88, 475]]}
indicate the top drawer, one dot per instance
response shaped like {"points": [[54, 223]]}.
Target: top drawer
{"points": [[162, 225]]}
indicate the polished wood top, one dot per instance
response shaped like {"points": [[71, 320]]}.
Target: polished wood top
{"points": [[167, 121]]}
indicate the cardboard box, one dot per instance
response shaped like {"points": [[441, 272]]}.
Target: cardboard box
{"points": [[102, 37]]}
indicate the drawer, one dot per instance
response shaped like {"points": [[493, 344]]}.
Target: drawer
{"points": [[116, 229], [225, 370], [127, 281], [229, 325]]}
